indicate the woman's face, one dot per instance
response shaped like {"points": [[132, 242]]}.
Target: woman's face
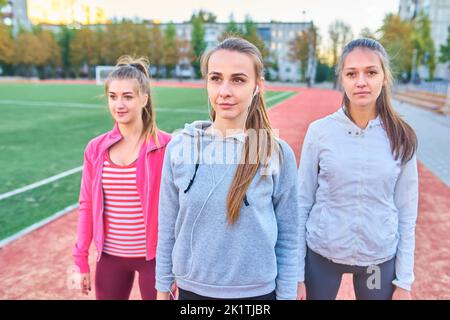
{"points": [[125, 101], [362, 77], [231, 83]]}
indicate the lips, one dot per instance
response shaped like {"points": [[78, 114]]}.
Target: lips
{"points": [[363, 93], [226, 105], [121, 113]]}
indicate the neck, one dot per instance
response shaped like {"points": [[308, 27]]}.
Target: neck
{"points": [[362, 115], [131, 131], [226, 127]]}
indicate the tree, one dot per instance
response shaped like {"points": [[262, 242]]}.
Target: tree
{"points": [[303, 48], [340, 33], [6, 45], [142, 38], [156, 48], [28, 52], [299, 51], [51, 54], [186, 54], [198, 41], [171, 51], [396, 36], [124, 37], [64, 39], [84, 50], [367, 33], [250, 33], [324, 71], [231, 29], [445, 50], [205, 16], [424, 44]]}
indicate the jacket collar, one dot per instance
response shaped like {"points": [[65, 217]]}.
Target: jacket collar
{"points": [[115, 136], [350, 127]]}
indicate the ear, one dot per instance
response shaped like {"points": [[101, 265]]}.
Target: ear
{"points": [[145, 99], [260, 83]]}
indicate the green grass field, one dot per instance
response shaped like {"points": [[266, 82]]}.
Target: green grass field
{"points": [[44, 129]]}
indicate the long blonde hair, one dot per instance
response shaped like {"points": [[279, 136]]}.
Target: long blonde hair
{"points": [[257, 120], [402, 137], [128, 68]]}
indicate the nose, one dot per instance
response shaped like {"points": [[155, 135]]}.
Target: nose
{"points": [[361, 80], [119, 103], [224, 89]]}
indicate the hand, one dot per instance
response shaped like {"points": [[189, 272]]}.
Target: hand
{"points": [[401, 294], [301, 291], [85, 283], [167, 295], [175, 291], [162, 295]]}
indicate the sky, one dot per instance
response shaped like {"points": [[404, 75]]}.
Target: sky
{"points": [[357, 13]]}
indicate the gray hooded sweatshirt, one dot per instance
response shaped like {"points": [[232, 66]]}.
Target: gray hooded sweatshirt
{"points": [[197, 248]]}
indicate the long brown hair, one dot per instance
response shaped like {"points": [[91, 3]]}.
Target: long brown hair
{"points": [[402, 137], [128, 68], [252, 156]]}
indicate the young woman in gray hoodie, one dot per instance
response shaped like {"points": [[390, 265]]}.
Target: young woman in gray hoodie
{"points": [[228, 210]]}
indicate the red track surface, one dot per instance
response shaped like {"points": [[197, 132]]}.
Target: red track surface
{"points": [[38, 266]]}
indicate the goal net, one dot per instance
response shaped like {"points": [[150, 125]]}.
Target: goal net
{"points": [[101, 72]]}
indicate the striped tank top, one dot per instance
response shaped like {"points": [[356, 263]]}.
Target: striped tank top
{"points": [[123, 216]]}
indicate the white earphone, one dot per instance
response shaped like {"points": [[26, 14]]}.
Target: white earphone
{"points": [[256, 91]]}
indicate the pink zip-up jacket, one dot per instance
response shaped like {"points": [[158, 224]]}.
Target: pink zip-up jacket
{"points": [[148, 177]]}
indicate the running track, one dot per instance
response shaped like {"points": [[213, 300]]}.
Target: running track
{"points": [[38, 266]]}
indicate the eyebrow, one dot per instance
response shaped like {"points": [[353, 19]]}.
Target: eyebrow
{"points": [[240, 74], [127, 92], [353, 68]]}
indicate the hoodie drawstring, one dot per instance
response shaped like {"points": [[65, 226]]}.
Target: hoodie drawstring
{"points": [[193, 178], [197, 164]]}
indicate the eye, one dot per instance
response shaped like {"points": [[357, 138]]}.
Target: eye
{"points": [[128, 98], [350, 74], [112, 97], [372, 73], [239, 80], [214, 78]]}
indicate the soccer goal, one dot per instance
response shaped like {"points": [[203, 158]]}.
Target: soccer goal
{"points": [[101, 72]]}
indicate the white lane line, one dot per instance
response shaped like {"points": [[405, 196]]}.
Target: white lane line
{"points": [[40, 183], [85, 106], [29, 103], [280, 95], [49, 104], [37, 225]]}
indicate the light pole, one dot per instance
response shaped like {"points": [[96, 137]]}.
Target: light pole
{"points": [[413, 75]]}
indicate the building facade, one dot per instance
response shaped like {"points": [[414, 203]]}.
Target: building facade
{"points": [[277, 37], [438, 11], [15, 14]]}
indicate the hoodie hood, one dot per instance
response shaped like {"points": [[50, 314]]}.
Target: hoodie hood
{"points": [[199, 129]]}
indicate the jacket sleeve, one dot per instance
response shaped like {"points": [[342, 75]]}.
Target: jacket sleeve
{"points": [[406, 201], [308, 176], [168, 211], [84, 229], [285, 203]]}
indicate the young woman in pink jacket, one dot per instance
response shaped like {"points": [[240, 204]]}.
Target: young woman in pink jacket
{"points": [[120, 189]]}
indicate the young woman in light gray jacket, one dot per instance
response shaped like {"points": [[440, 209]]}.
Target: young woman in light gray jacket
{"points": [[359, 187]]}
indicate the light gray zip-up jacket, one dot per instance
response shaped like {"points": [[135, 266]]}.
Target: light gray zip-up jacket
{"points": [[360, 205], [196, 246]]}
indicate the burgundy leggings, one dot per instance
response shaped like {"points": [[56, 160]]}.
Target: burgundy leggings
{"points": [[115, 276]]}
